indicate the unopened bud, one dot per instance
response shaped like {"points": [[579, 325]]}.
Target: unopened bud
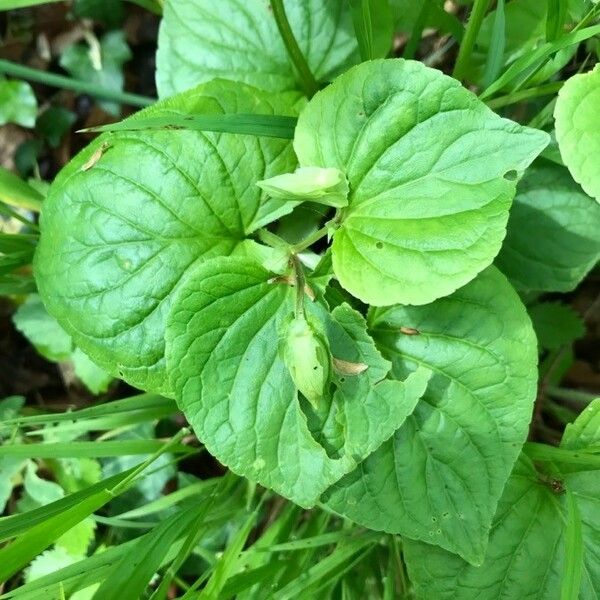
{"points": [[306, 355]]}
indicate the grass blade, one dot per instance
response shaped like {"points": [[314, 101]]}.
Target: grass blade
{"points": [[495, 56], [533, 60], [573, 562], [130, 576], [17, 193], [260, 125], [319, 573], [36, 539], [88, 449], [224, 569]]}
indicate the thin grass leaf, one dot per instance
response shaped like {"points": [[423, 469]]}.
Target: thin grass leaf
{"points": [[197, 531], [260, 125], [321, 573], [373, 27], [571, 460], [151, 5], [36, 539], [17, 242], [573, 561], [530, 62], [82, 426], [88, 449], [15, 525], [130, 576], [556, 18], [227, 564], [15, 192], [138, 402], [314, 542], [201, 489], [495, 57]]}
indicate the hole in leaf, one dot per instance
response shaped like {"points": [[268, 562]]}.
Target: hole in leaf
{"points": [[511, 175]]}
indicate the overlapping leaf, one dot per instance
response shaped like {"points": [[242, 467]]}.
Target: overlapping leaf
{"points": [[227, 369], [553, 237], [440, 477], [135, 210], [432, 173], [239, 40], [578, 129], [544, 540]]}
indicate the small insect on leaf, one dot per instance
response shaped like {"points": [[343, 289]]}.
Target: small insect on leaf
{"points": [[96, 156], [345, 367], [409, 331]]}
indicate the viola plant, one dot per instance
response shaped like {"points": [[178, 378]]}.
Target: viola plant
{"points": [[324, 257]]}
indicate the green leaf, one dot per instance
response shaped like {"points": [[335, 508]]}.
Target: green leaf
{"points": [[440, 477], [48, 562], [76, 541], [38, 491], [102, 66], [239, 40], [131, 214], [93, 377], [373, 26], [564, 245], [578, 129], [230, 379], [17, 103], [556, 324], [42, 330], [528, 544], [15, 192], [432, 175], [584, 432], [54, 123]]}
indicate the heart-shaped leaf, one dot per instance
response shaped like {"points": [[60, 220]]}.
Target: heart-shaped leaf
{"points": [[440, 477], [134, 211], [239, 40], [432, 173], [231, 381]]}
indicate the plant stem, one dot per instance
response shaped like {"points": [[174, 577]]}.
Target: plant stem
{"points": [[68, 83], [480, 8], [311, 239], [300, 285], [309, 83]]}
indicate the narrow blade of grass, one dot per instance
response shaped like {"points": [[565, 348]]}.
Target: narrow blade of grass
{"points": [[573, 561], [17, 193], [319, 573], [277, 126], [40, 536], [225, 568], [88, 449], [555, 21], [138, 402], [495, 56], [130, 576], [532, 60]]}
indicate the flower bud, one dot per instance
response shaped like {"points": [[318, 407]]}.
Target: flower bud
{"points": [[306, 355]]}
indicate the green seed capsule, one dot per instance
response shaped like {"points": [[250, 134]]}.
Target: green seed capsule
{"points": [[307, 357]]}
